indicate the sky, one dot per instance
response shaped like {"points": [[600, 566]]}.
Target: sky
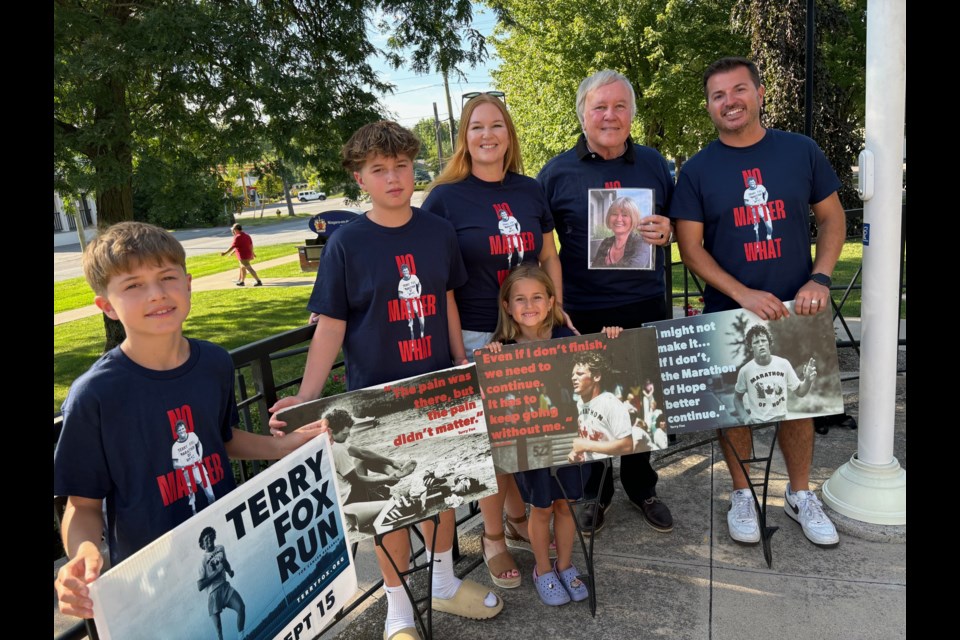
{"points": [[415, 94]]}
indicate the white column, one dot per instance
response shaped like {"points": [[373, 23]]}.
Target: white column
{"points": [[871, 487]]}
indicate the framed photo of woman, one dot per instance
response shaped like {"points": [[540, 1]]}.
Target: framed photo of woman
{"points": [[616, 218]]}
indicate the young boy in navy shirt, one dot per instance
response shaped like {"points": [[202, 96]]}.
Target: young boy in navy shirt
{"points": [[149, 429], [364, 300]]}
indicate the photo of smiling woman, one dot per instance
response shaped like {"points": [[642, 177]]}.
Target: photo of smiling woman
{"points": [[625, 249]]}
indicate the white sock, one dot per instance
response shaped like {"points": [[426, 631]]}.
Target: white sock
{"points": [[399, 610], [445, 584]]}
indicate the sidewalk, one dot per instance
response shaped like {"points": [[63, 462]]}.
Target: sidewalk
{"points": [[695, 583]]}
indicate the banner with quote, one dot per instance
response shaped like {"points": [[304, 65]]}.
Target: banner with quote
{"points": [[549, 403], [731, 368], [405, 450]]}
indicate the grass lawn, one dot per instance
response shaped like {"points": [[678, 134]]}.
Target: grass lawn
{"points": [[76, 293], [288, 270], [222, 317], [850, 260]]}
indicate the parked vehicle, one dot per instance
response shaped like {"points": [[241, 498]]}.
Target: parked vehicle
{"points": [[309, 194]]}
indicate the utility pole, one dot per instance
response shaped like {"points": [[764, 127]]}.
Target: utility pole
{"points": [[453, 126], [436, 128]]}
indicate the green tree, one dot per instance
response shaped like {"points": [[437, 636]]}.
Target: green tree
{"points": [[177, 194], [426, 131], [201, 82], [839, 64], [438, 36], [662, 46]]}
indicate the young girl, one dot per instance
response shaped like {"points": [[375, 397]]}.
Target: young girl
{"points": [[528, 312]]}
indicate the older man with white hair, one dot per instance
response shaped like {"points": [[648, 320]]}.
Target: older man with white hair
{"points": [[605, 157]]}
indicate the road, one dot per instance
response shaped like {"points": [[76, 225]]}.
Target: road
{"points": [[66, 260]]}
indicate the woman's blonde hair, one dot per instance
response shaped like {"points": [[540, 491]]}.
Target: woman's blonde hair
{"points": [[506, 326], [460, 165], [627, 205]]}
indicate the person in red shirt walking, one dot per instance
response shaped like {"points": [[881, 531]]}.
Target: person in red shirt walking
{"points": [[243, 245]]}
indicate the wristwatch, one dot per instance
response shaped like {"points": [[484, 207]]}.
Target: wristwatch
{"points": [[822, 278]]}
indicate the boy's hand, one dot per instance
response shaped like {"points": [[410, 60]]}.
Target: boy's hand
{"points": [[306, 432], [276, 426], [612, 332], [73, 595]]}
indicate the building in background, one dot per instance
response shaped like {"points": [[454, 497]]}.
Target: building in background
{"points": [[65, 226]]}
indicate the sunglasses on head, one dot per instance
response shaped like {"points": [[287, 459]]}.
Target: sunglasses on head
{"points": [[473, 94]]}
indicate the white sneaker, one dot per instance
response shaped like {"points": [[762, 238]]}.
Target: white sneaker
{"points": [[742, 517], [806, 508]]}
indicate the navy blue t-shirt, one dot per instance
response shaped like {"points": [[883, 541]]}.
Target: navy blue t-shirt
{"points": [[390, 286], [490, 245], [754, 203], [566, 180], [120, 442]]}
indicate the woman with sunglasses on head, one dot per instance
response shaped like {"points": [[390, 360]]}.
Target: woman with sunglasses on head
{"points": [[502, 219]]}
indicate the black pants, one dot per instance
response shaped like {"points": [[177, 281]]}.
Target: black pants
{"points": [[637, 477]]}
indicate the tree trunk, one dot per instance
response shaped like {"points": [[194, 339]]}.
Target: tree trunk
{"points": [[113, 330], [114, 166], [286, 195]]}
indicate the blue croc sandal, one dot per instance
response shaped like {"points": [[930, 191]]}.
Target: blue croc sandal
{"points": [[573, 585], [550, 589]]}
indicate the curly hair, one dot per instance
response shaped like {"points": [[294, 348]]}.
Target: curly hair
{"points": [[595, 361], [207, 531], [338, 420], [753, 332], [384, 138]]}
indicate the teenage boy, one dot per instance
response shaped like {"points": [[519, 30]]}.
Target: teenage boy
{"points": [[243, 245], [122, 416], [356, 305]]}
